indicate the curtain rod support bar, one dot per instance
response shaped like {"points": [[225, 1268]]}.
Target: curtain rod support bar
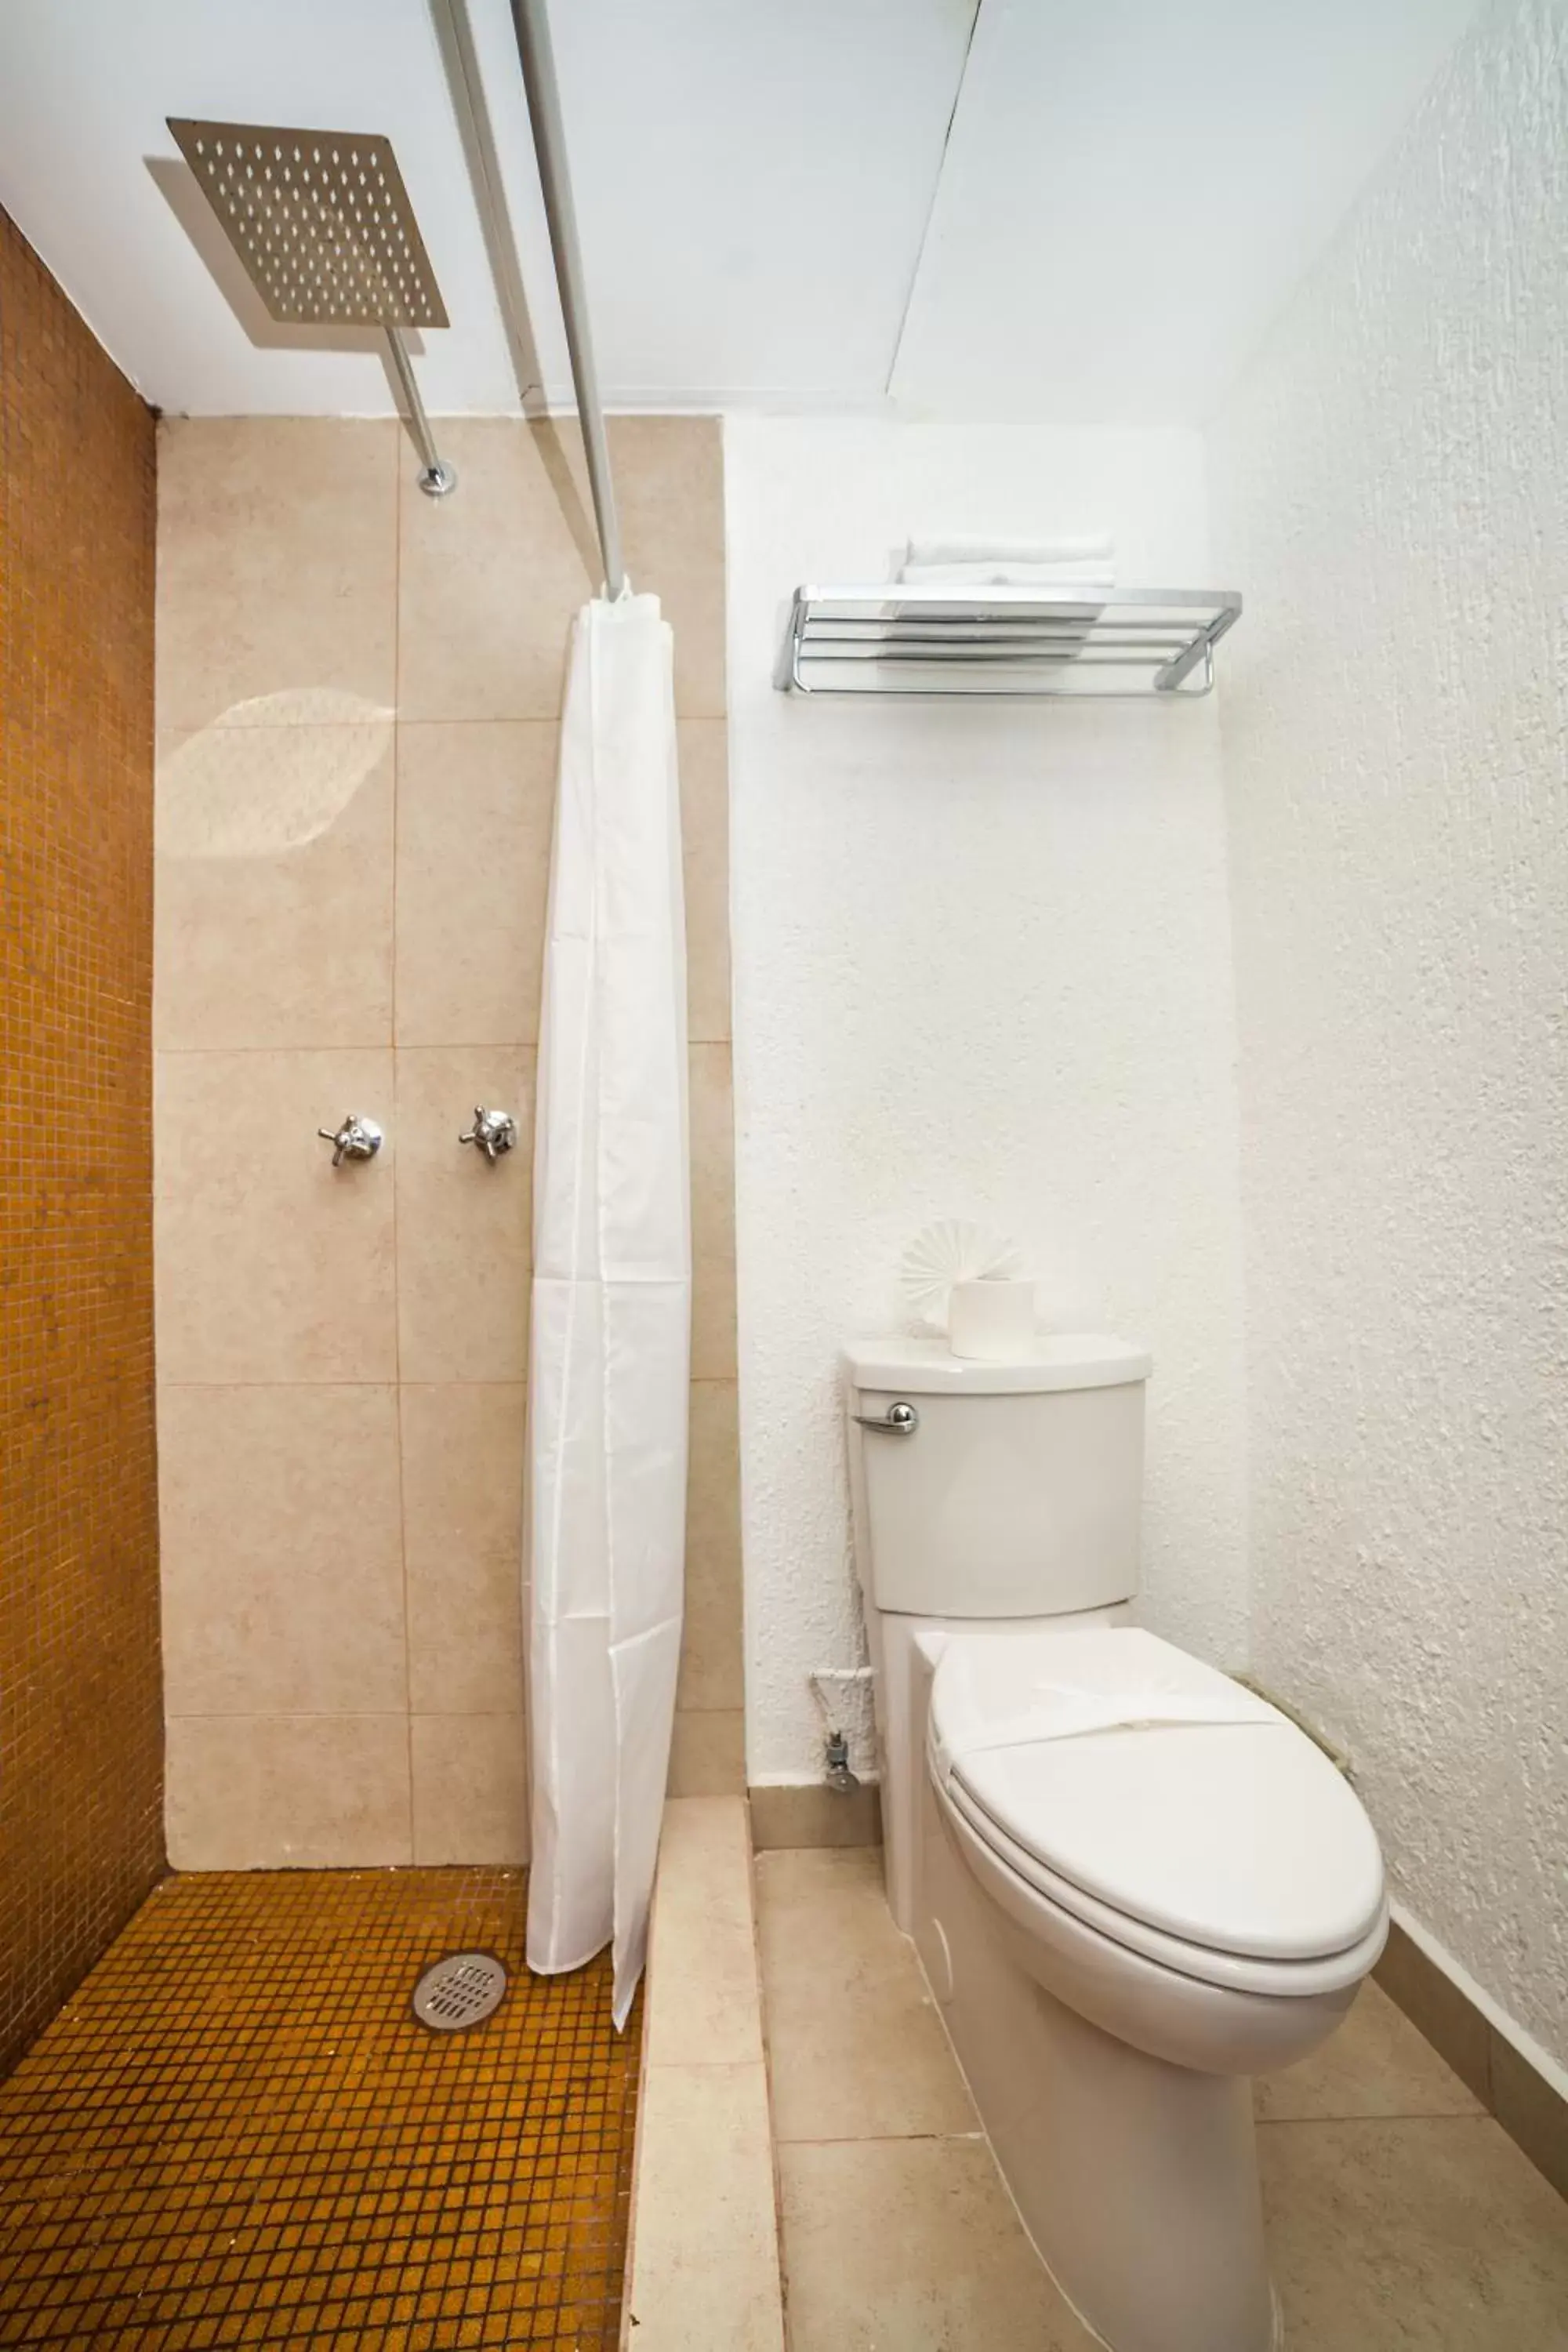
{"points": [[532, 23]]}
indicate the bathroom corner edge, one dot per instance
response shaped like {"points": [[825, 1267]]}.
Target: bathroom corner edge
{"points": [[1511, 2082]]}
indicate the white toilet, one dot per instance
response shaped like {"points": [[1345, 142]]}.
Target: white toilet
{"points": [[1132, 1884]]}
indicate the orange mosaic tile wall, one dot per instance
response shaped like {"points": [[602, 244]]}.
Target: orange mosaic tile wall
{"points": [[81, 1705]]}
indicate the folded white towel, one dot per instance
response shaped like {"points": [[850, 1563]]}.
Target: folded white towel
{"points": [[1010, 563], [1031, 551], [1089, 577]]}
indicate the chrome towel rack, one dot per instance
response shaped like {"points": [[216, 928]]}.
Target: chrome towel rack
{"points": [[997, 640]]}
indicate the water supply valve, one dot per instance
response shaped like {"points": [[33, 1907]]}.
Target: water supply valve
{"points": [[836, 1752]]}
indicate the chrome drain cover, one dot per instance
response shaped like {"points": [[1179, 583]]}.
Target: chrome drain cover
{"points": [[462, 1989]]}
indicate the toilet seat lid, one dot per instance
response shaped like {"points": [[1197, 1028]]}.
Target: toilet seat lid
{"points": [[1160, 1786]]}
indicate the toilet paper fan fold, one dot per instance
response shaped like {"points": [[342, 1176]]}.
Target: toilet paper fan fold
{"points": [[953, 1249]]}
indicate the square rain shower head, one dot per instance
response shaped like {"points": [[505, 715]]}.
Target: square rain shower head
{"points": [[320, 221]]}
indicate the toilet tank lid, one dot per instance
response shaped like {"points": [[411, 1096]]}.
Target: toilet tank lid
{"points": [[1077, 1359]]}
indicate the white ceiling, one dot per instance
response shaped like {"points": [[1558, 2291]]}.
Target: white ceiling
{"points": [[1129, 190], [1132, 189]]}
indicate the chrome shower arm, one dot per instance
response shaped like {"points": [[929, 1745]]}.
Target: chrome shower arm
{"points": [[437, 477]]}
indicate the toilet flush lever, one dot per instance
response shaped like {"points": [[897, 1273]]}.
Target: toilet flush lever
{"points": [[898, 1420]]}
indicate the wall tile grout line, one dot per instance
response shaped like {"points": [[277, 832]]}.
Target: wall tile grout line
{"points": [[323, 1714], [398, 496], [333, 1383], [384, 716], [874, 2140], [455, 1046], [403, 1452], [1373, 2123]]}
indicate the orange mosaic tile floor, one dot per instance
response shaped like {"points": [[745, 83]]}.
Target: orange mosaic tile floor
{"points": [[237, 2132]]}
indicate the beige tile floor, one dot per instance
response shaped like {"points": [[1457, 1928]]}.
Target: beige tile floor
{"points": [[1401, 2217]]}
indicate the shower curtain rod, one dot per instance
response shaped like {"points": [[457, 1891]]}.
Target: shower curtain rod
{"points": [[531, 22]]}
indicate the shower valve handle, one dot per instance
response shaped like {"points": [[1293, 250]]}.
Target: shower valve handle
{"points": [[494, 1131], [356, 1139]]}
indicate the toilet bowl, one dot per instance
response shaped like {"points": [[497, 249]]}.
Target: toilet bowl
{"points": [[1140, 1885], [1132, 1883]]}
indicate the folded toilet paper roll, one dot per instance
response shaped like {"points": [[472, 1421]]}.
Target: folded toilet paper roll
{"points": [[991, 1322]]}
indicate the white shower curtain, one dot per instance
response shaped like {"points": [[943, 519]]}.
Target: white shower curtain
{"points": [[611, 1304]]}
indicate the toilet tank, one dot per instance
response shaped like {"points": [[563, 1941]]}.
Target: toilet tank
{"points": [[1019, 1490]]}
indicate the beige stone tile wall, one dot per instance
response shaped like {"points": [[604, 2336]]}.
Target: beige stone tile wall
{"points": [[358, 696]]}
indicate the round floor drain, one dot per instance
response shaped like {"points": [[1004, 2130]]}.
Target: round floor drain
{"points": [[462, 1989]]}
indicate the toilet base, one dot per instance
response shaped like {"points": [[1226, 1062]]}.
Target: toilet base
{"points": [[1136, 2180]]}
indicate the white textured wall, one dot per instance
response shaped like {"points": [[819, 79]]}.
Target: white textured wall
{"points": [[981, 968], [1391, 487]]}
